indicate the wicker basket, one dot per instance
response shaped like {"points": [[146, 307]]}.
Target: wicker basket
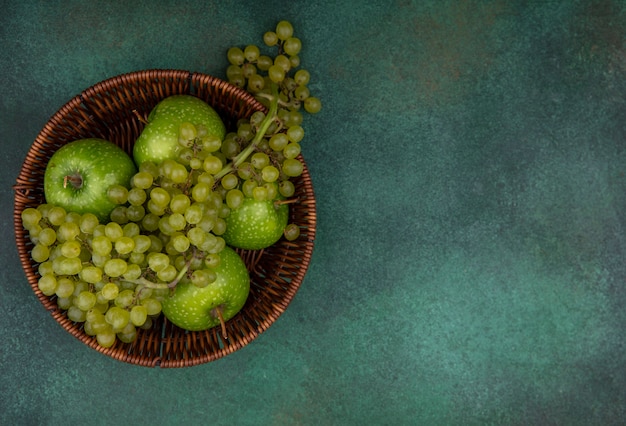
{"points": [[109, 110]]}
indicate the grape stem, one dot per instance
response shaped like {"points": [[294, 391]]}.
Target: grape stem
{"points": [[149, 284], [265, 124]]}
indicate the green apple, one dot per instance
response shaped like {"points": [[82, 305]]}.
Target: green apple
{"points": [[159, 139], [79, 174], [194, 308], [256, 224]]}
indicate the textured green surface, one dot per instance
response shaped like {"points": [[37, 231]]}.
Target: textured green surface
{"points": [[469, 167]]}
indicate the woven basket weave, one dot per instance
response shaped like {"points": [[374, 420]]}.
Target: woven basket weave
{"points": [[109, 110]]}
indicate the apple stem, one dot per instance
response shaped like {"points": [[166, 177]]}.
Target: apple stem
{"points": [[218, 311], [139, 117], [265, 124], [289, 201], [75, 180]]}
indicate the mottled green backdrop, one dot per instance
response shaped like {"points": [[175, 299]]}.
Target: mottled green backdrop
{"points": [[469, 166]]}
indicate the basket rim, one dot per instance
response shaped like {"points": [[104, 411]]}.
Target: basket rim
{"points": [[24, 189]]}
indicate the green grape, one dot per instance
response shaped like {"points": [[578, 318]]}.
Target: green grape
{"points": [[272, 190], [286, 188], [284, 30], [47, 236], [248, 186], [233, 71], [160, 197], [193, 215], [312, 105], [106, 339], [251, 53], [124, 245], [135, 213], [152, 305], [74, 313], [128, 334], [137, 196], [235, 56], [212, 260], [302, 77], [181, 243], [71, 248], [270, 38], [56, 215], [149, 167], [65, 287], [206, 224], [291, 232], [47, 284], [256, 83], [180, 203], [117, 317], [98, 230], [187, 132], [115, 267], [283, 62], [177, 221], [200, 191], [276, 73], [142, 180], [302, 92], [178, 173], [155, 209], [157, 244], [45, 267], [150, 222], [292, 167], [101, 245], [141, 243], [264, 62], [293, 118], [165, 227], [292, 46], [167, 274], [64, 303], [294, 60], [270, 173], [248, 70], [238, 80], [113, 230], [118, 215], [234, 198], [295, 133], [292, 150], [131, 229], [259, 193], [91, 274], [259, 160], [138, 315], [73, 217], [85, 300], [203, 277], [99, 260], [158, 261], [67, 231], [230, 181], [219, 227], [88, 223], [196, 236], [211, 143], [30, 217], [68, 266], [212, 164], [44, 209], [110, 291], [137, 259], [117, 194], [278, 142], [124, 299], [195, 163]]}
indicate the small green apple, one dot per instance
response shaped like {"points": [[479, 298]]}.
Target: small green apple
{"points": [[79, 174], [195, 309], [159, 139], [256, 224]]}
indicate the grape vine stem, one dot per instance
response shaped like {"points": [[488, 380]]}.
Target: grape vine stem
{"points": [[265, 124]]}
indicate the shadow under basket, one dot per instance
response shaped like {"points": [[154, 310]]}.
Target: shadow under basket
{"points": [[110, 110]]}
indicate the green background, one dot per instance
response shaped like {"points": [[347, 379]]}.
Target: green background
{"points": [[469, 169]]}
